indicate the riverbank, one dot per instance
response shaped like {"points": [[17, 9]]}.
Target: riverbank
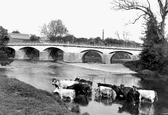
{"points": [[19, 98], [146, 74], [113, 68]]}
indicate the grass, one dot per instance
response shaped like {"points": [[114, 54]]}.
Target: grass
{"points": [[18, 98]]}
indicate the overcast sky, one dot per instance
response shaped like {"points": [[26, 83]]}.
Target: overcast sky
{"points": [[83, 18]]}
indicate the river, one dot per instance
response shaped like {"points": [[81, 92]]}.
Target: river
{"points": [[38, 74]]}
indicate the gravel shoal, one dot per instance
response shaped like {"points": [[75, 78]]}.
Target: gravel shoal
{"points": [[113, 68]]}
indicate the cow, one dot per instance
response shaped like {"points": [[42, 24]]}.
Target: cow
{"points": [[63, 83], [118, 91], [79, 88], [150, 95], [124, 90], [104, 91], [133, 96], [65, 93], [83, 81], [104, 84]]}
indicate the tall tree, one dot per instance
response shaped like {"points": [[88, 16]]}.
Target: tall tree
{"points": [[3, 36], [54, 29], [152, 55], [146, 12], [4, 52]]}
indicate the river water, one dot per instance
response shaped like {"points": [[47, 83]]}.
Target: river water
{"points": [[38, 74]]}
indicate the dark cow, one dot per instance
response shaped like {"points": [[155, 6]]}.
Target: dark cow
{"points": [[118, 91], [83, 81], [104, 84], [133, 96], [125, 90], [79, 88]]}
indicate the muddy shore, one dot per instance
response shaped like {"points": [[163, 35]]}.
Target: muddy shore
{"points": [[113, 68]]}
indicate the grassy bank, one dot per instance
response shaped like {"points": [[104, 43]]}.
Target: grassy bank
{"points": [[18, 98], [147, 74]]}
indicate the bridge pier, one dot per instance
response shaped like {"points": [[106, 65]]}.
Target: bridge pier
{"points": [[44, 56], [20, 54], [72, 57], [106, 58]]}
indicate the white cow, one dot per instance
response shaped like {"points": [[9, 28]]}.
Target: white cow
{"points": [[106, 92], [65, 93], [63, 83], [148, 94]]}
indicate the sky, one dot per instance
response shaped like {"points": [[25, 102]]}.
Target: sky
{"points": [[83, 18]]}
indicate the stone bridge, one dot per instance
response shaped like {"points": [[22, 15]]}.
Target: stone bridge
{"points": [[69, 52]]}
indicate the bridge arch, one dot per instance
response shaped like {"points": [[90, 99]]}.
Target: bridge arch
{"points": [[54, 54], [120, 56], [30, 53], [92, 56], [11, 52]]}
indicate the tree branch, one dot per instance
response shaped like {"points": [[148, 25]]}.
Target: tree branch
{"points": [[130, 5], [166, 7], [149, 4], [161, 7], [137, 18], [134, 5]]}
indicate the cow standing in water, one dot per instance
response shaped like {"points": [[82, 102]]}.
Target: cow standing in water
{"points": [[105, 90], [65, 93], [63, 83], [82, 89], [148, 94], [83, 81]]}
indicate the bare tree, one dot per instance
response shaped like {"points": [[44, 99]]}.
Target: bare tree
{"points": [[124, 35], [118, 35], [44, 30], [146, 12]]}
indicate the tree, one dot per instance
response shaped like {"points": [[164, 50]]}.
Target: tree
{"points": [[146, 12], [4, 52], [16, 31], [34, 38], [152, 56], [54, 29]]}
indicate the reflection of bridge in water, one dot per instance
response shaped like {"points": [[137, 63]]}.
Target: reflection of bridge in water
{"points": [[72, 52]]}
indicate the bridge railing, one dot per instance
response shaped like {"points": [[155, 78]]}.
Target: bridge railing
{"points": [[72, 45]]}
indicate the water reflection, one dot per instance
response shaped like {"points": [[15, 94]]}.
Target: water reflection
{"points": [[105, 101], [129, 108], [38, 74], [82, 100]]}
